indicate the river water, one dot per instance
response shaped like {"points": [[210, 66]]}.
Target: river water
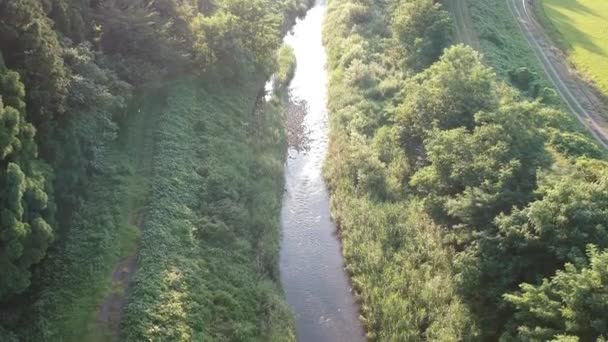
{"points": [[312, 270]]}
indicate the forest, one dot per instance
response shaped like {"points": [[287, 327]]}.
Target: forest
{"points": [[470, 205], [141, 174]]}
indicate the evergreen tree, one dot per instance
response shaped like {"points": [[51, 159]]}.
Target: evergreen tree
{"points": [[25, 206], [570, 306]]}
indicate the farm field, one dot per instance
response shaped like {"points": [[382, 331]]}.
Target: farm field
{"points": [[583, 28]]}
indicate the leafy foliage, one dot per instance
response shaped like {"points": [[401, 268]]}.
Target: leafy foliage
{"points": [[570, 305], [286, 68], [444, 176], [31, 46], [399, 265], [81, 63], [423, 29], [208, 267], [26, 203]]}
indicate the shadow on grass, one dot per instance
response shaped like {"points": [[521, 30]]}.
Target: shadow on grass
{"points": [[565, 25]]}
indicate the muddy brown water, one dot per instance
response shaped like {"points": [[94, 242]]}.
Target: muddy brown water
{"points": [[312, 269]]}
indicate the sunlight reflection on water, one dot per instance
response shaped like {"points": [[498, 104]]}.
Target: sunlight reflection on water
{"points": [[316, 285]]}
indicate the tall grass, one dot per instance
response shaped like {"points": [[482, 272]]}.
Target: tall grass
{"points": [[207, 268], [401, 270]]}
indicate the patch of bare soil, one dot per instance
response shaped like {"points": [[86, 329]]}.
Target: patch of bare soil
{"points": [[110, 310]]}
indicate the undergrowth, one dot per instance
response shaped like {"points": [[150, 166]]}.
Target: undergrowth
{"points": [[507, 51], [78, 273], [207, 269]]}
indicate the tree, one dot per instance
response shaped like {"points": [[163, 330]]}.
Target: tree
{"points": [[96, 96], [532, 242], [570, 306], [25, 206], [446, 95], [474, 147], [423, 29], [142, 41], [30, 46], [474, 176], [239, 32], [571, 212]]}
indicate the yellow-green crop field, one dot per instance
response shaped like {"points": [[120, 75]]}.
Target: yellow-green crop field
{"points": [[583, 25]]}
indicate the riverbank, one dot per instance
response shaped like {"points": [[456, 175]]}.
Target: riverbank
{"points": [[445, 181], [401, 270], [184, 202], [207, 204]]}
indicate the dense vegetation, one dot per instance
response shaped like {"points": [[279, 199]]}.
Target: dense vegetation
{"points": [[106, 152], [468, 211], [507, 50], [208, 267], [26, 211]]}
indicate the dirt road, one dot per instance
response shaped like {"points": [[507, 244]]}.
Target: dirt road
{"points": [[464, 32], [582, 100], [139, 142]]}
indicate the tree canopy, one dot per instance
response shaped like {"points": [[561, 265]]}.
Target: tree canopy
{"points": [[570, 306], [25, 206]]}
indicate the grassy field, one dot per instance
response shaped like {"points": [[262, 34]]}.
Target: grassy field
{"points": [[583, 30]]}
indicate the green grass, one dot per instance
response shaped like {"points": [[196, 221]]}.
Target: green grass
{"points": [[506, 50], [208, 259], [206, 172], [502, 43], [583, 30]]}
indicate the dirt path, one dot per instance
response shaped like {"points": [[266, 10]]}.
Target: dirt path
{"points": [[580, 98], [462, 19], [110, 310], [139, 145]]}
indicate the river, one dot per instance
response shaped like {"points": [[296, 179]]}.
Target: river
{"points": [[316, 285]]}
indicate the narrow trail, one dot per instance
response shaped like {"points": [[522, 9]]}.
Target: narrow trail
{"points": [[580, 98], [139, 144], [462, 19]]}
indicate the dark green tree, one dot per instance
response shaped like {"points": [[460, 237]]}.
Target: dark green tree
{"points": [[446, 95], [25, 206], [30, 46], [570, 306], [475, 175], [422, 27], [533, 242]]}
